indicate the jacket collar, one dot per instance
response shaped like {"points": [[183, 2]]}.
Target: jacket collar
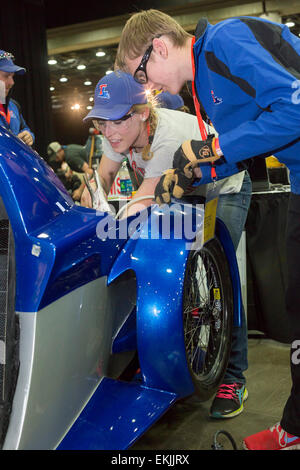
{"points": [[201, 28]]}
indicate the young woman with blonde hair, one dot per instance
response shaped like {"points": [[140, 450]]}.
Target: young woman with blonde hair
{"points": [[135, 129]]}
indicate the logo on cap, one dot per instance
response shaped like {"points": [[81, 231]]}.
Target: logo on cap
{"points": [[103, 93]]}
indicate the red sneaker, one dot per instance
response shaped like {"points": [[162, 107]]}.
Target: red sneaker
{"points": [[274, 438]]}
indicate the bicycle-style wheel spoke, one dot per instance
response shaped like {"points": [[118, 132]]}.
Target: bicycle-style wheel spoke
{"points": [[199, 313]]}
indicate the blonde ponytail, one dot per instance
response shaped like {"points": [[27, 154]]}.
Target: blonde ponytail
{"points": [[152, 120]]}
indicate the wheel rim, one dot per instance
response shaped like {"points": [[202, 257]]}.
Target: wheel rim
{"points": [[203, 316]]}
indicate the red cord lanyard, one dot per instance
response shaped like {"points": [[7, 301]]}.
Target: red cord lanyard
{"points": [[197, 108], [196, 102], [133, 166], [130, 153], [6, 116]]}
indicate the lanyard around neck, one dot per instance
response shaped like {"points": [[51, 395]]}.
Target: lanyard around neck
{"points": [[5, 115], [131, 149], [196, 102]]}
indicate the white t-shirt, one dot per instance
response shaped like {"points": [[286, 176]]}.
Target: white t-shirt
{"points": [[173, 128]]}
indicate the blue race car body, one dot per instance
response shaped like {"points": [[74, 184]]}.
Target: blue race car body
{"points": [[90, 293]]}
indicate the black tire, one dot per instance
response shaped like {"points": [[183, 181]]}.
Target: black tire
{"points": [[9, 327], [207, 317]]}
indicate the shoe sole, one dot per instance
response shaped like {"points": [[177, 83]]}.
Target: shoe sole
{"points": [[234, 413], [296, 447]]}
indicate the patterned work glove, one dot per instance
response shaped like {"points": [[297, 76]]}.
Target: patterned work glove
{"points": [[173, 182], [194, 152], [189, 155]]}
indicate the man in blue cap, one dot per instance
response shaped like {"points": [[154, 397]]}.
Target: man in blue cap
{"points": [[10, 110]]}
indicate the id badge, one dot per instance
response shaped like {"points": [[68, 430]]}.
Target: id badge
{"points": [[210, 214]]}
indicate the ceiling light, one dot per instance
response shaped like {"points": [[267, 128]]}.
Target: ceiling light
{"points": [[290, 24], [89, 107], [108, 71], [75, 107], [63, 78], [52, 88], [87, 82], [91, 98], [100, 54], [81, 67], [52, 61]]}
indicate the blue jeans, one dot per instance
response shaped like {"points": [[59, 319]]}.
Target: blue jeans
{"points": [[232, 210]]}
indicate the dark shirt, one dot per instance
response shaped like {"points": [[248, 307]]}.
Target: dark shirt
{"points": [[75, 156]]}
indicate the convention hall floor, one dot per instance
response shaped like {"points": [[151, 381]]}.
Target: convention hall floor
{"points": [[187, 425]]}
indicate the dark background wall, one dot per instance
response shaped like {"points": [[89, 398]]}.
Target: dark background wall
{"points": [[65, 12], [68, 126], [23, 25]]}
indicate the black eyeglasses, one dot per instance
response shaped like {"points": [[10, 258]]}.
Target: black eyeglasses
{"points": [[140, 74]]}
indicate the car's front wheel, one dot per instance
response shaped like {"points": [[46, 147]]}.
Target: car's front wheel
{"points": [[207, 317]]}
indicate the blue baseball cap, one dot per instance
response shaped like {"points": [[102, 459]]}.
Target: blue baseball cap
{"points": [[166, 100], [115, 94], [7, 64]]}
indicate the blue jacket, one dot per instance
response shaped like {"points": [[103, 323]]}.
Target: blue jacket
{"points": [[247, 78], [17, 122]]}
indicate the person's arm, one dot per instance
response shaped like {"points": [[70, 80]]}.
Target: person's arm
{"points": [[265, 63], [147, 188], [86, 169], [25, 133], [186, 161], [77, 193], [27, 137], [107, 171], [76, 158], [264, 59]]}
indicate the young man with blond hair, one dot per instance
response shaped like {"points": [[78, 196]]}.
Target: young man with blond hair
{"points": [[245, 73]]}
